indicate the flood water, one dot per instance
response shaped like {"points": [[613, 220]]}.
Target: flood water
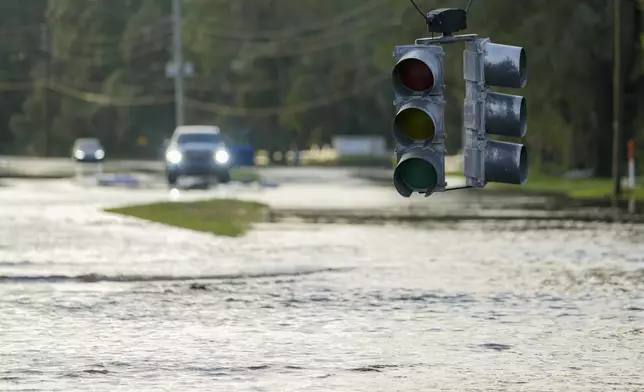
{"points": [[94, 302]]}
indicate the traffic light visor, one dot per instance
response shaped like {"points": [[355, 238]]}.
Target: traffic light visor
{"points": [[416, 124], [505, 66], [415, 75], [418, 174]]}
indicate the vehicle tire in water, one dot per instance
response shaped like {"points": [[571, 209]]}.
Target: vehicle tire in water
{"points": [[224, 178], [172, 179]]}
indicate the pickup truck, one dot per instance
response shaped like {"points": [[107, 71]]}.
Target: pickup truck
{"points": [[197, 150]]}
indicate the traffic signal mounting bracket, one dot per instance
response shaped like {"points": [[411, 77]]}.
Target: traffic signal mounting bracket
{"points": [[446, 39], [474, 137]]}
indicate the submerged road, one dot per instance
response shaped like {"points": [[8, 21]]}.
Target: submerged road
{"points": [[92, 301]]}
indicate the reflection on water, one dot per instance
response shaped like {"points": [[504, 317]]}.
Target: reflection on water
{"points": [[175, 194]]}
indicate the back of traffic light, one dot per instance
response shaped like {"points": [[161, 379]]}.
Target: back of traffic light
{"points": [[418, 128], [488, 113]]}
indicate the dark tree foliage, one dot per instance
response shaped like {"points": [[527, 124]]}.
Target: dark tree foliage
{"points": [[287, 72]]}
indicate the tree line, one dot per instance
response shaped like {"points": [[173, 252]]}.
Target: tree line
{"points": [[287, 73]]}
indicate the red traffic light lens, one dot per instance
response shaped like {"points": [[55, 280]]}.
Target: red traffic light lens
{"points": [[415, 75]]}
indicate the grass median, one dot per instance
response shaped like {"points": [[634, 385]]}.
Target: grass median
{"points": [[589, 189], [580, 189], [243, 174], [224, 217]]}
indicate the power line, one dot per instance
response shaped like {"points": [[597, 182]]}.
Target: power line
{"points": [[326, 35], [298, 46], [287, 109], [235, 34], [225, 110], [104, 57], [277, 34], [326, 43], [195, 83], [105, 99], [275, 50], [113, 39], [16, 86]]}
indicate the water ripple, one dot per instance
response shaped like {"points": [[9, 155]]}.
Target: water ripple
{"points": [[97, 278], [454, 308]]}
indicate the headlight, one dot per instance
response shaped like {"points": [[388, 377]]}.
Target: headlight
{"points": [[222, 156], [99, 154], [79, 154], [173, 156]]}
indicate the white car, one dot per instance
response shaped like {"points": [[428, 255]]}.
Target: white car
{"points": [[88, 150]]}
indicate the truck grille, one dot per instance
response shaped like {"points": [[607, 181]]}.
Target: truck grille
{"points": [[198, 155]]}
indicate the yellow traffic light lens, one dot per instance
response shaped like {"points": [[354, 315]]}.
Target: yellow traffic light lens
{"points": [[418, 174], [416, 124], [415, 75]]}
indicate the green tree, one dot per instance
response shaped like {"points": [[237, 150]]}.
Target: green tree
{"points": [[302, 71], [21, 26]]}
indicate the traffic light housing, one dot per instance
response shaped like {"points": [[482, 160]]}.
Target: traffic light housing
{"points": [[418, 126], [487, 113]]}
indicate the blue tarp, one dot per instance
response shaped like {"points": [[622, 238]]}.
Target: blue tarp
{"points": [[244, 155]]}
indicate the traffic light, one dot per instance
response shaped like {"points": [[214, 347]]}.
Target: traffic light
{"points": [[418, 126], [487, 113]]}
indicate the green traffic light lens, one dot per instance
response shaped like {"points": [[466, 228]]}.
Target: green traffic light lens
{"points": [[418, 174], [416, 124]]}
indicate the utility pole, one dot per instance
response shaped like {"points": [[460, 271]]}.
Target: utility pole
{"points": [[177, 49], [617, 100], [45, 48], [359, 52], [280, 144]]}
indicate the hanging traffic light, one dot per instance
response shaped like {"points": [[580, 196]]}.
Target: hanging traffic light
{"points": [[488, 113], [418, 127]]}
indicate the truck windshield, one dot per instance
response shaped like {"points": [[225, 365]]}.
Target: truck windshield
{"points": [[88, 143], [199, 138]]}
